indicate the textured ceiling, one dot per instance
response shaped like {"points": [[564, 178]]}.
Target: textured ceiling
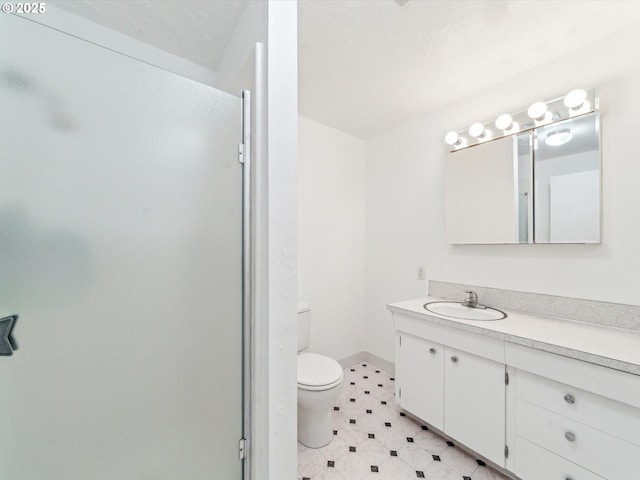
{"points": [[368, 65], [195, 30]]}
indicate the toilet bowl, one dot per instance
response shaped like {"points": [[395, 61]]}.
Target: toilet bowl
{"points": [[319, 383]]}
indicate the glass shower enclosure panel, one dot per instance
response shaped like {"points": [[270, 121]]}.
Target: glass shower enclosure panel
{"points": [[121, 255]]}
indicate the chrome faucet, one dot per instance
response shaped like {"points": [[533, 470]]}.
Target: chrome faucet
{"points": [[471, 300]]}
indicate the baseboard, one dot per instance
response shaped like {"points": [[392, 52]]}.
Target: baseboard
{"points": [[352, 359], [369, 358]]}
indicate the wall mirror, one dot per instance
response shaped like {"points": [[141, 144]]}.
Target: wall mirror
{"points": [[540, 184]]}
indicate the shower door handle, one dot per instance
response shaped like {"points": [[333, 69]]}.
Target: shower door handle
{"points": [[8, 344]]}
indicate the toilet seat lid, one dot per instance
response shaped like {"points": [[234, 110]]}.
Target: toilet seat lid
{"points": [[315, 370]]}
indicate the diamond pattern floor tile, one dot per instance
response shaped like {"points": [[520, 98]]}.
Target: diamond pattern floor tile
{"points": [[375, 440]]}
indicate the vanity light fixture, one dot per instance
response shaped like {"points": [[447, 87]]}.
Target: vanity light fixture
{"points": [[478, 131], [576, 102], [455, 140], [558, 137], [506, 124], [575, 98], [539, 112]]}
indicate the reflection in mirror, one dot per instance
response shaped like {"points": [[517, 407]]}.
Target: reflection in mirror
{"points": [[567, 181], [525, 200], [487, 190]]}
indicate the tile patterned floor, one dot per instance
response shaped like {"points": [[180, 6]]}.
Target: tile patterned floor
{"points": [[374, 439]]}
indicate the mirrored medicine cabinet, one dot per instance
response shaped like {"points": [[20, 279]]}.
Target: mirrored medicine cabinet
{"points": [[541, 185]]}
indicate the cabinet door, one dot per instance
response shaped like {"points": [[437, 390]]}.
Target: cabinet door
{"points": [[420, 378], [475, 399]]}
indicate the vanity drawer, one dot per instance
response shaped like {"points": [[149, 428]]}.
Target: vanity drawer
{"points": [[604, 414], [535, 463], [596, 451], [608, 382]]}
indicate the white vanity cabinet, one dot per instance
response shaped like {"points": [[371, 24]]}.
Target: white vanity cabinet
{"points": [[474, 396], [420, 378], [497, 389], [571, 419], [455, 381]]}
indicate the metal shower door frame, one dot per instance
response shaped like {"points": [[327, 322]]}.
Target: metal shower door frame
{"points": [[244, 156]]}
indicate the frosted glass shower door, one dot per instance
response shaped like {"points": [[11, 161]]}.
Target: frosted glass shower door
{"points": [[120, 250]]}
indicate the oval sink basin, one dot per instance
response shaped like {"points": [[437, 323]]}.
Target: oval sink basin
{"points": [[461, 312]]}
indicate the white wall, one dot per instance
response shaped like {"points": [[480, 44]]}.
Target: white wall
{"points": [[331, 237], [405, 198], [281, 241]]}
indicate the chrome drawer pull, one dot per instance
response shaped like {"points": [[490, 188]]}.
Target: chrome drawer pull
{"points": [[454, 359], [432, 351], [569, 398], [570, 436]]}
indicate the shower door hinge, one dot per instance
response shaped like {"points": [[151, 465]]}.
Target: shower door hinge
{"points": [[506, 451], [241, 152], [242, 447], [506, 378]]}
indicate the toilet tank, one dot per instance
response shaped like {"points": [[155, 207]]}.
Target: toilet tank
{"points": [[304, 325]]}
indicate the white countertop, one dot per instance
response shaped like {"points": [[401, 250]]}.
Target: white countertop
{"points": [[607, 346]]}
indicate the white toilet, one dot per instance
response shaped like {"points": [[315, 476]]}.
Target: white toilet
{"points": [[319, 382]]}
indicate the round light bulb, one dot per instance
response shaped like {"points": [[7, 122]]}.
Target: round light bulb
{"points": [[504, 122], [559, 137], [537, 110], [476, 130], [451, 138], [575, 98]]}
